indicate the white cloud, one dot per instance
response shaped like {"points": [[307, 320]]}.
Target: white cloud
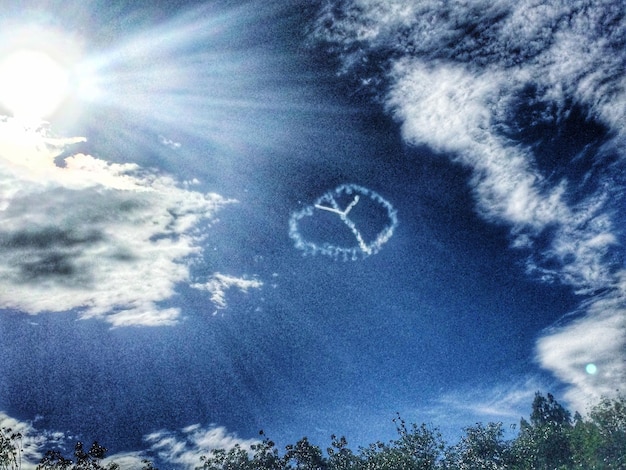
{"points": [[218, 284], [500, 402], [181, 449], [33, 443], [504, 403], [597, 337], [127, 460], [169, 143], [113, 240], [455, 74], [184, 448], [453, 109]]}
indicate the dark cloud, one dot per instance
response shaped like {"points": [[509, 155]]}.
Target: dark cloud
{"points": [[49, 238], [110, 239]]}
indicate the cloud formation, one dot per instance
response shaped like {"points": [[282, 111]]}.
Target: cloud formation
{"points": [[33, 443], [184, 448], [111, 240], [597, 337], [500, 402], [492, 85], [218, 284]]}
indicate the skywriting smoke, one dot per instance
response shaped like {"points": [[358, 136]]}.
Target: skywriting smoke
{"points": [[531, 97]]}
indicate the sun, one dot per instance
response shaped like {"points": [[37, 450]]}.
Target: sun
{"points": [[32, 84]]}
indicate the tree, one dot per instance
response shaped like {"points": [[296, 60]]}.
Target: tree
{"points": [[482, 448], [10, 449], [550, 440], [417, 448], [609, 416], [547, 411], [266, 455], [235, 459], [85, 460], [53, 459], [586, 442], [545, 441], [304, 456], [340, 457], [421, 444]]}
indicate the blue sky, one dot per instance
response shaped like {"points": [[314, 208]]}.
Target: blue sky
{"points": [[306, 218]]}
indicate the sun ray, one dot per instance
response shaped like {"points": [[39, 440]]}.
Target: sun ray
{"points": [[203, 73]]}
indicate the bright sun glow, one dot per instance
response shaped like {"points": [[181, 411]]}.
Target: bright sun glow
{"points": [[32, 84]]}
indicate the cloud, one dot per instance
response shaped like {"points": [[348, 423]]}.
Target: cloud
{"points": [[598, 337], [185, 447], [218, 284], [111, 240], [455, 110], [450, 109], [503, 401], [33, 442], [181, 449], [127, 460], [169, 143], [492, 84]]}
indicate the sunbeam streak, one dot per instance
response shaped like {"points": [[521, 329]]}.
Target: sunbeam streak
{"points": [[201, 73]]}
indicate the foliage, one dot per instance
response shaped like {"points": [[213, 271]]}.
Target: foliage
{"points": [[235, 459], [550, 439], [545, 441], [482, 447], [305, 456], [340, 457], [417, 447], [84, 460], [10, 449], [586, 442], [602, 440]]}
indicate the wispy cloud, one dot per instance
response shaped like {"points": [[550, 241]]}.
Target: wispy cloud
{"points": [[505, 403], [128, 460], [454, 75], [181, 449], [596, 338], [112, 240], [169, 143], [218, 284], [455, 110], [33, 442], [500, 402], [185, 447]]}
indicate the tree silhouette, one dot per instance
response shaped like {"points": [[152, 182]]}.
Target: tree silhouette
{"points": [[482, 447], [545, 441], [10, 449], [550, 439]]}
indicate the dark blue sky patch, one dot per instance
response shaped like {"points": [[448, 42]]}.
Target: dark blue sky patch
{"points": [[566, 141]]}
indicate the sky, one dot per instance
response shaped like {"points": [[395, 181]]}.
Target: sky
{"points": [[218, 217]]}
